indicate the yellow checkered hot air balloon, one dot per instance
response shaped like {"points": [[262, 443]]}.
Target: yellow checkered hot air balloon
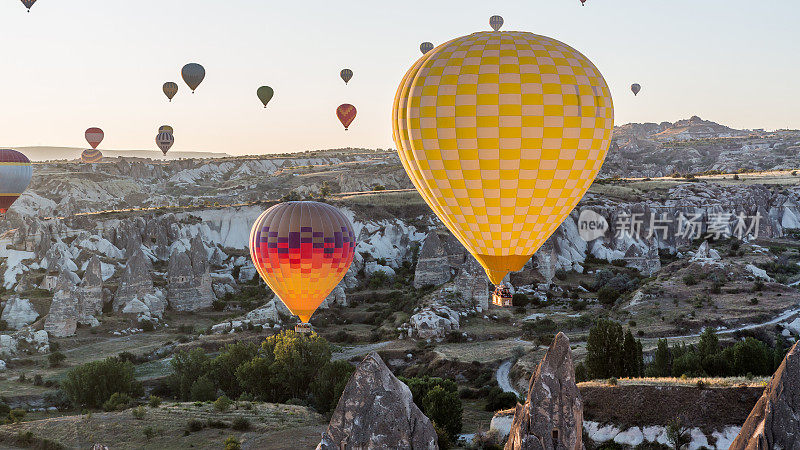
{"points": [[502, 133]]}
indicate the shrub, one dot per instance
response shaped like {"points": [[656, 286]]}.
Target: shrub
{"points": [[195, 425], [149, 433], [231, 443], [154, 401], [222, 404], [689, 280], [612, 381], [92, 384], [16, 415], [147, 325], [55, 359], [218, 305], [607, 296], [241, 424], [443, 437], [117, 402], [496, 399], [216, 423], [519, 300], [138, 413], [203, 390], [444, 408]]}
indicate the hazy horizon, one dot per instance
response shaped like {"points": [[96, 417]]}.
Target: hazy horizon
{"points": [[83, 63]]}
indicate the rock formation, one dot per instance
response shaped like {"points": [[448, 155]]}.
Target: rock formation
{"points": [[774, 422], [18, 313], [552, 416], [433, 267], [376, 410], [91, 289], [62, 320], [433, 322], [136, 283], [190, 287]]}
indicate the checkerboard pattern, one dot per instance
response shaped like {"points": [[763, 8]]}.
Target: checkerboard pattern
{"points": [[302, 250], [502, 133]]}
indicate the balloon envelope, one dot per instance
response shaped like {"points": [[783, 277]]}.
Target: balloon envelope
{"points": [[193, 74], [94, 136], [505, 161], [346, 75], [91, 156], [496, 22], [635, 88], [164, 141], [15, 176], [265, 94], [28, 4], [165, 129], [346, 114], [302, 250], [170, 89], [425, 47]]}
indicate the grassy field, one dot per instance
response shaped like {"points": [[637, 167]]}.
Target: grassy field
{"points": [[271, 426]]}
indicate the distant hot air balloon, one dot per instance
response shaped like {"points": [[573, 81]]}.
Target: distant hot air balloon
{"points": [[193, 74], [635, 88], [346, 114], [164, 140], [165, 129], [496, 22], [94, 136], [170, 89], [503, 171], [583, 2], [91, 156], [15, 176], [28, 4], [265, 94], [425, 47], [346, 75], [302, 250]]}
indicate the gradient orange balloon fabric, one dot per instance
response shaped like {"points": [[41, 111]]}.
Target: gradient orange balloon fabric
{"points": [[346, 114], [302, 250]]}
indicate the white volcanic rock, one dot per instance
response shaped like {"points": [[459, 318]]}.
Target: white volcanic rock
{"points": [[372, 267], [501, 423], [758, 273], [8, 345], [2, 365], [433, 322], [102, 246], [705, 255], [135, 282], [18, 313], [62, 320], [337, 297]]}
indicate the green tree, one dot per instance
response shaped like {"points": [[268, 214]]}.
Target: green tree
{"points": [[630, 362], [92, 384], [752, 356], [709, 343], [444, 409], [329, 384], [187, 367], [661, 359], [254, 377], [203, 390], [222, 370], [296, 358], [688, 364], [604, 350]]}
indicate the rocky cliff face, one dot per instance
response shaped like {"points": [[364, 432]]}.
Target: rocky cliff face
{"points": [[63, 317], [189, 279], [774, 422], [552, 416], [376, 410]]}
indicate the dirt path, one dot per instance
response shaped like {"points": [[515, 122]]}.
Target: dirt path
{"points": [[358, 350], [502, 377]]}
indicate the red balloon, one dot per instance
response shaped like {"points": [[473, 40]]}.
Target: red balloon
{"points": [[94, 136], [346, 114], [583, 2]]}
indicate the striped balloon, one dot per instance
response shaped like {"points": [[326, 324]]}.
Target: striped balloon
{"points": [[302, 250], [193, 74], [164, 141], [91, 156], [346, 114], [496, 22], [170, 89], [165, 129], [15, 176], [425, 47], [28, 4], [346, 75], [94, 136]]}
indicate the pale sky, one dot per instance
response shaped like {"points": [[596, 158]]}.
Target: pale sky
{"points": [[72, 64]]}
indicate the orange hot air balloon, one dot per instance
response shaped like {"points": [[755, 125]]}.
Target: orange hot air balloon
{"points": [[346, 114], [94, 136], [302, 250]]}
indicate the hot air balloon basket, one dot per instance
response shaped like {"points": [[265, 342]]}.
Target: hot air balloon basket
{"points": [[304, 328]]}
